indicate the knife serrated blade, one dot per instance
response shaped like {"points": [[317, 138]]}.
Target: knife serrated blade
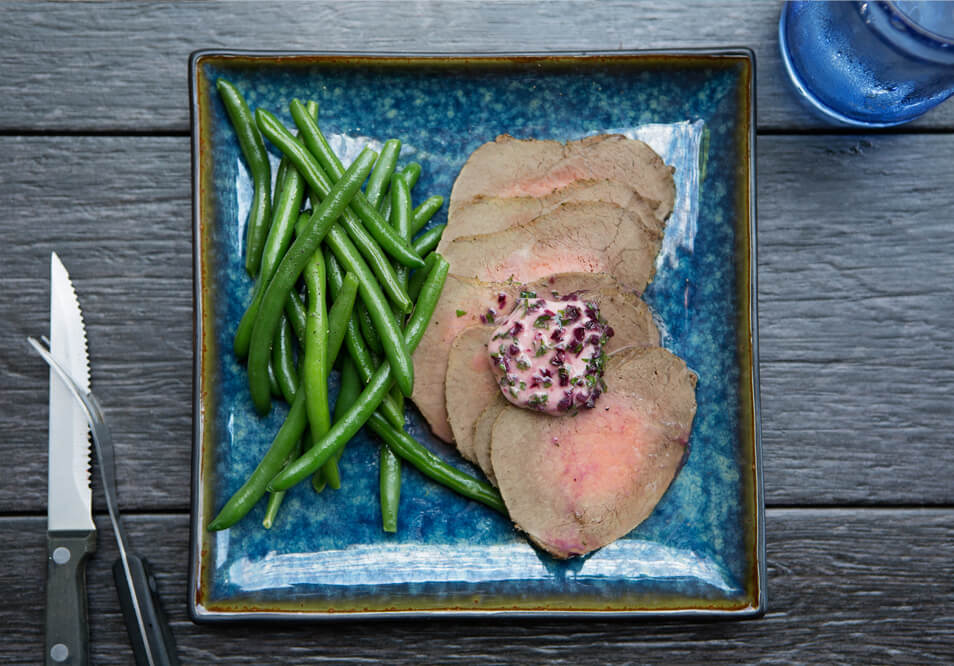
{"points": [[69, 495], [71, 533]]}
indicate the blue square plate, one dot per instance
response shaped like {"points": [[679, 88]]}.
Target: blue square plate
{"points": [[700, 553]]}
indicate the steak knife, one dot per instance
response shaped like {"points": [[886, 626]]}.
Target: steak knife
{"points": [[67, 627], [71, 533]]}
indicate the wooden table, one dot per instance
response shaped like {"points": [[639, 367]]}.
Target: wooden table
{"points": [[856, 311]]}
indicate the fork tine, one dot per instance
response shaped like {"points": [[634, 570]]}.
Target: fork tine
{"points": [[94, 414]]}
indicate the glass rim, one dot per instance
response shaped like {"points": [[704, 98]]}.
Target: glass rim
{"points": [[914, 26]]}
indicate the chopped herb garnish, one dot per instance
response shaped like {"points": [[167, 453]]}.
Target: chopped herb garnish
{"points": [[543, 321], [461, 313], [538, 400]]}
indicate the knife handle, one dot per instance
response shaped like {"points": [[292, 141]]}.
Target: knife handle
{"points": [[162, 644], [67, 618]]}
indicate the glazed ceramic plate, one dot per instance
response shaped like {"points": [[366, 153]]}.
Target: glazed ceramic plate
{"points": [[701, 552]]}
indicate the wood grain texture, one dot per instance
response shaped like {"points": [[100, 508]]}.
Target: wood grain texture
{"points": [[128, 247], [856, 304], [863, 586], [121, 66], [856, 298]]}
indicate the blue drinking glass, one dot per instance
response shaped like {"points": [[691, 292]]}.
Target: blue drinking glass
{"points": [[869, 64]]}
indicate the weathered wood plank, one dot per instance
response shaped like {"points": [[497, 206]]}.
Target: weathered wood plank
{"points": [[856, 296], [856, 304], [128, 246], [122, 65], [862, 586]]}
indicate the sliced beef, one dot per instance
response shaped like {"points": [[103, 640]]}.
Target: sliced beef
{"points": [[486, 214], [464, 302], [588, 237], [509, 167], [470, 385], [576, 484], [483, 430], [469, 382], [628, 315]]}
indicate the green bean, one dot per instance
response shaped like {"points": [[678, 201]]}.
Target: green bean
{"points": [[276, 294], [418, 277], [381, 174], [425, 211], [389, 480], [271, 464], [306, 163], [378, 263], [312, 108], [349, 387], [285, 216], [279, 237], [273, 386], [397, 398], [275, 499], [317, 180], [381, 316], [339, 314], [428, 240], [389, 465], [318, 483], [410, 174], [430, 465], [327, 476], [401, 207], [357, 415], [289, 195], [357, 349], [253, 149], [283, 360], [370, 217], [401, 217], [368, 332], [315, 375], [297, 317], [279, 177]]}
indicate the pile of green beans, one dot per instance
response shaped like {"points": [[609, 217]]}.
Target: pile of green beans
{"points": [[343, 285]]}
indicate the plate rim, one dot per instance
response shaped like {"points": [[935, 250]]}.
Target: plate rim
{"points": [[200, 615]]}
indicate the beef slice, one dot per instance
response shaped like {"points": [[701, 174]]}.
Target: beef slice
{"points": [[467, 302], [483, 431], [464, 302], [633, 329], [575, 484], [470, 385], [589, 237], [486, 214], [509, 167], [469, 382]]}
